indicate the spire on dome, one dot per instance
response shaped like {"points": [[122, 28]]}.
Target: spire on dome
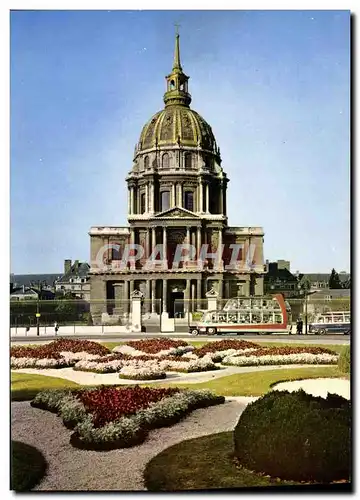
{"points": [[177, 64], [177, 81]]}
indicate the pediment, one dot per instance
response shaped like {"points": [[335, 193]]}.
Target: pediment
{"points": [[177, 212]]}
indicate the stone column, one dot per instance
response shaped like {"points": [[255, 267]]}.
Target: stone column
{"points": [[198, 293], [188, 242], [201, 198], [221, 283], [153, 237], [198, 243], [192, 297], [221, 201], [187, 297], [165, 245], [126, 295], [207, 199], [147, 298], [227, 289], [153, 296], [164, 297], [173, 191], [132, 284], [147, 243], [224, 202], [132, 242], [180, 195], [129, 201], [152, 197], [146, 197], [220, 261]]}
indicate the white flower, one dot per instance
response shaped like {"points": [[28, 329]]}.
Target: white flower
{"points": [[296, 358]]}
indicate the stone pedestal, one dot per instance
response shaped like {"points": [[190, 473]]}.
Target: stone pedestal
{"points": [[136, 297], [167, 324], [212, 296]]}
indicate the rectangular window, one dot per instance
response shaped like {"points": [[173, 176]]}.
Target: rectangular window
{"points": [[189, 200], [142, 204], [165, 201], [115, 253]]}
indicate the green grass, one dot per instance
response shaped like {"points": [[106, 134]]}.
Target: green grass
{"points": [[28, 466], [24, 386], [258, 383], [202, 463]]}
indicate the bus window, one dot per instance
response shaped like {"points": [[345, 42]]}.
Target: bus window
{"points": [[278, 318], [347, 318], [256, 318], [233, 318]]}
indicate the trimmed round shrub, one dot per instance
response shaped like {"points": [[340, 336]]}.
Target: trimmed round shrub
{"points": [[296, 436], [344, 359], [28, 466]]}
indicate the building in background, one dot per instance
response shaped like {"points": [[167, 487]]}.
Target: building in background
{"points": [[26, 293], [279, 279], [320, 281], [75, 280], [176, 194]]}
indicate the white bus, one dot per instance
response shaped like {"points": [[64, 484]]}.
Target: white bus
{"points": [[331, 322], [262, 315]]}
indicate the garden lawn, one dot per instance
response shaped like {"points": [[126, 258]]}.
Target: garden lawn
{"points": [[28, 466], [25, 386], [257, 383], [202, 463]]}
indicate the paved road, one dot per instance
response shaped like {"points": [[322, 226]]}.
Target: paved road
{"points": [[304, 339]]}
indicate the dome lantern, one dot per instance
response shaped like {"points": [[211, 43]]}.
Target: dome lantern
{"points": [[177, 81]]}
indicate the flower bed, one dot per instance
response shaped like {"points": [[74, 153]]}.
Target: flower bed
{"points": [[145, 373], [150, 359], [302, 358], [224, 345], [153, 346], [57, 354], [109, 417]]}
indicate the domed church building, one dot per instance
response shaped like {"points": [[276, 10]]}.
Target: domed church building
{"points": [[176, 195]]}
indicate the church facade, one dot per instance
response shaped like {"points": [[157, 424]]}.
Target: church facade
{"points": [[176, 195]]}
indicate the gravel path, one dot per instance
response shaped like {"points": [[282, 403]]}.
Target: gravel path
{"points": [[71, 469], [89, 378]]}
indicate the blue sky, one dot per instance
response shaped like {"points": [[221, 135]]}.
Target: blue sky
{"points": [[274, 85]]}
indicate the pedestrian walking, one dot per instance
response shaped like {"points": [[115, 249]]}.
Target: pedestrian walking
{"points": [[299, 326], [56, 327]]}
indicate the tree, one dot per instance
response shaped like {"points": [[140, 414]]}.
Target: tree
{"points": [[334, 280]]}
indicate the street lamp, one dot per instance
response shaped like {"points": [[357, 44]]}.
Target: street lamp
{"points": [[304, 289], [37, 315]]}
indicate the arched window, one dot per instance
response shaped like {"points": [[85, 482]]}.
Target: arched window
{"points": [[146, 162], [188, 161], [165, 161]]}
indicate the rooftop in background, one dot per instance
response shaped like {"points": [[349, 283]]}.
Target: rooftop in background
{"points": [[27, 279], [75, 270], [314, 277]]}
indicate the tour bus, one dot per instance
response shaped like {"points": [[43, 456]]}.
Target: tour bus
{"points": [[261, 315], [331, 322]]}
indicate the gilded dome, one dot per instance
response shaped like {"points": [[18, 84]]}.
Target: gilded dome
{"points": [[177, 124]]}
